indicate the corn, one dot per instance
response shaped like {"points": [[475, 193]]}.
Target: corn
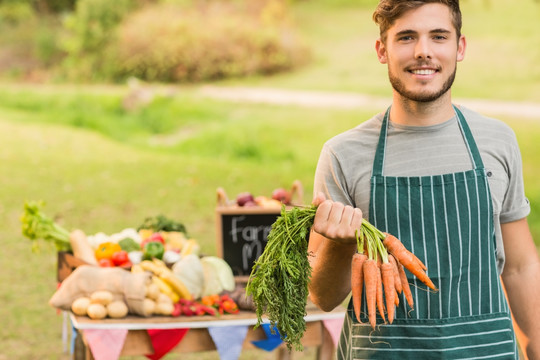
{"points": [[166, 289], [151, 266]]}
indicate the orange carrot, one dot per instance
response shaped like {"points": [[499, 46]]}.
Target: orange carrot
{"points": [[405, 285], [379, 294], [397, 282], [357, 281], [387, 273], [407, 259], [370, 282]]}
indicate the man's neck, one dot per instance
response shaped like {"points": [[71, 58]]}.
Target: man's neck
{"points": [[408, 112]]}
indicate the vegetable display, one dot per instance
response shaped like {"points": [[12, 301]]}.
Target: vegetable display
{"points": [[159, 252], [280, 276]]}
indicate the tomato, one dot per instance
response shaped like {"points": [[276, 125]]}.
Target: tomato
{"points": [[105, 263], [120, 257]]}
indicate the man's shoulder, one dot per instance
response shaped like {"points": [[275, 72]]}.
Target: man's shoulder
{"points": [[363, 134], [482, 123]]}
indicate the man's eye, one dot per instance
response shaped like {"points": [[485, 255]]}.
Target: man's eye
{"points": [[405, 38]]}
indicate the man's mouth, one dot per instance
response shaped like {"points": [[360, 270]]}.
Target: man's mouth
{"points": [[423, 71]]}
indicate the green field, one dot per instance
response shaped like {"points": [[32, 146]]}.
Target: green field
{"points": [[99, 167]]}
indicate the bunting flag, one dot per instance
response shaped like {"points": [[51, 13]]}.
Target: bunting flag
{"points": [[164, 340], [229, 340], [272, 340], [105, 344], [334, 328]]}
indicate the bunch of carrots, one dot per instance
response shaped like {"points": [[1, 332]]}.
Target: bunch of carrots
{"points": [[279, 279], [378, 266]]}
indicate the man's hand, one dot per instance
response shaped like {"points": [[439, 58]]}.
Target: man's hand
{"points": [[332, 244], [336, 221]]}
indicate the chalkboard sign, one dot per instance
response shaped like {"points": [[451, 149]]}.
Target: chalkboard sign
{"points": [[242, 234]]}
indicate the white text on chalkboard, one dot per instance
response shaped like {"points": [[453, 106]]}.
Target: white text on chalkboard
{"points": [[253, 236]]}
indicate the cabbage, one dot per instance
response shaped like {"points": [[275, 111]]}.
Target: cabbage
{"points": [[222, 271], [189, 270]]}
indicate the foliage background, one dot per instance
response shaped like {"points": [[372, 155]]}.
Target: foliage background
{"points": [[104, 155]]}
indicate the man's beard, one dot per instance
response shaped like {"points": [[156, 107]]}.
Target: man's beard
{"points": [[399, 87]]}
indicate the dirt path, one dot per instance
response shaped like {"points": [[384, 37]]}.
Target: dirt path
{"points": [[522, 110]]}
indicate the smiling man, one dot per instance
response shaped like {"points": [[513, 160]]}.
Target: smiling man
{"points": [[448, 183]]}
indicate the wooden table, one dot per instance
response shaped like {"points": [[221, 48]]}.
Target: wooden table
{"points": [[198, 338]]}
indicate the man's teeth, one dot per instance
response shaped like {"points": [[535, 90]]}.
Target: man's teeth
{"points": [[423, 72]]}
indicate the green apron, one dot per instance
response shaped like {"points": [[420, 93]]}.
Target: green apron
{"points": [[447, 221]]}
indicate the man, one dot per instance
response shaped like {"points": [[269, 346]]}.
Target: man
{"points": [[448, 183]]}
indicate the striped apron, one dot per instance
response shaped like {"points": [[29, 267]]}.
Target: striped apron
{"points": [[447, 221]]}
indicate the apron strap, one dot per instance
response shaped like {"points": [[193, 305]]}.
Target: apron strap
{"points": [[378, 162], [469, 140], [474, 153]]}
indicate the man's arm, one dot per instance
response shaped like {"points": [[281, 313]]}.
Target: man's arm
{"points": [[332, 244], [331, 271], [521, 278]]}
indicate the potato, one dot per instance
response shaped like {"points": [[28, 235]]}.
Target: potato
{"points": [[162, 298], [164, 308], [102, 297], [80, 306], [96, 311], [152, 291], [149, 307], [117, 309]]}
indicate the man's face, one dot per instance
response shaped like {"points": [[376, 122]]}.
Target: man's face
{"points": [[421, 51]]}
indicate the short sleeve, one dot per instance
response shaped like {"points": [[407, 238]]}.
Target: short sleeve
{"points": [[515, 204], [329, 177]]}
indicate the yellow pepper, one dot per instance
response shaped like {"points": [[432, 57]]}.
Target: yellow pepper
{"points": [[106, 250]]}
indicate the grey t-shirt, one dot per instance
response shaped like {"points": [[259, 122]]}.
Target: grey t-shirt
{"points": [[345, 164]]}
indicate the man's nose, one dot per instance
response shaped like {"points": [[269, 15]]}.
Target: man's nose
{"points": [[422, 49]]}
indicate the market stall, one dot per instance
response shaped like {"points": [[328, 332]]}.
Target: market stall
{"points": [[149, 291]]}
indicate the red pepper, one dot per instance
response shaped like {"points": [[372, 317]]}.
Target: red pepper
{"points": [[198, 309], [225, 297], [186, 310], [185, 301], [208, 309], [177, 311]]}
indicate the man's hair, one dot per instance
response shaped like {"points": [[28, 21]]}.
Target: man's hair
{"points": [[388, 11]]}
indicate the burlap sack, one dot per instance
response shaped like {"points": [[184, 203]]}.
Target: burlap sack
{"points": [[124, 285]]}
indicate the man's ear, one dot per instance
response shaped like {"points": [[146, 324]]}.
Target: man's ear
{"points": [[380, 48], [462, 45]]}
